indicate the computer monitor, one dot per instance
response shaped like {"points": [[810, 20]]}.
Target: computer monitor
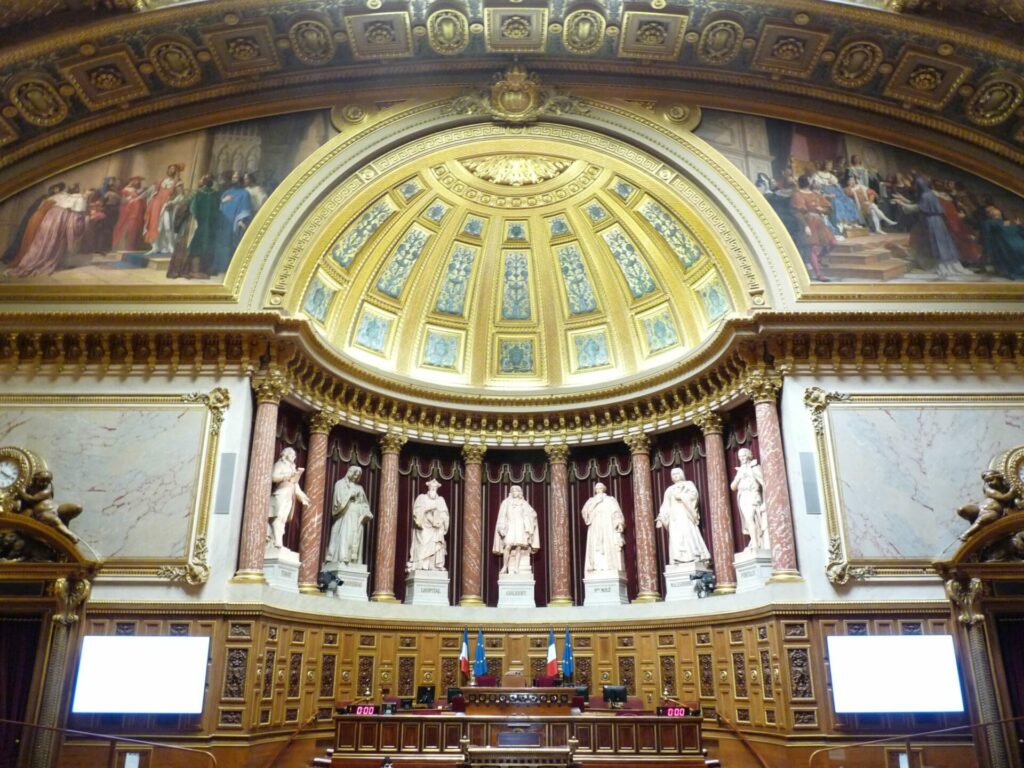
{"points": [[583, 691], [453, 693], [425, 695], [614, 695]]}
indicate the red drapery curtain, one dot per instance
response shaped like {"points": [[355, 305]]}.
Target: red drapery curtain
{"points": [[346, 448], [417, 464], [502, 470], [1010, 630], [683, 448], [740, 432], [291, 433], [610, 464], [19, 642]]}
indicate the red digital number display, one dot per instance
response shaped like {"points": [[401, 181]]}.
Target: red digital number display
{"points": [[362, 709], [673, 712]]}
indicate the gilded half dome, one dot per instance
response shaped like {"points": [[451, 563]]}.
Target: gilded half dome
{"points": [[518, 262]]}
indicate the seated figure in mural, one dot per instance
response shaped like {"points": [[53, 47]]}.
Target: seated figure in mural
{"points": [[350, 513], [679, 515], [605, 527], [748, 485], [516, 536], [285, 477], [430, 526]]}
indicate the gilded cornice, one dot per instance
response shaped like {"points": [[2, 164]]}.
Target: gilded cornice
{"points": [[792, 46]]}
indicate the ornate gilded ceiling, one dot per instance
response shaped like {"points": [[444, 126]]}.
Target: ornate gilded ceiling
{"points": [[517, 261], [898, 77]]}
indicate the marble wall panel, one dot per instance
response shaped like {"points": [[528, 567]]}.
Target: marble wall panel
{"points": [[134, 469], [902, 471]]}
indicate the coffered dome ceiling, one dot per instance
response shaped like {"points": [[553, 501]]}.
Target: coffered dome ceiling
{"points": [[519, 263]]}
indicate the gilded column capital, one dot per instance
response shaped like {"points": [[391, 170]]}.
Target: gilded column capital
{"points": [[558, 453], [70, 593], [710, 422], [473, 453], [323, 422], [638, 443], [392, 442], [964, 594], [269, 386], [763, 385]]}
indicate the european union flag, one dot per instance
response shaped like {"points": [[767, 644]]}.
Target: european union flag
{"points": [[479, 657], [568, 664]]}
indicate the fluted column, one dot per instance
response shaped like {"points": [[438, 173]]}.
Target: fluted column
{"points": [[268, 387], [723, 550], [311, 534], [472, 525], [643, 520], [558, 557], [763, 387], [387, 525]]}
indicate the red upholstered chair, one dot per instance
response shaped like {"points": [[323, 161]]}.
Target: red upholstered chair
{"points": [[545, 681], [486, 681]]}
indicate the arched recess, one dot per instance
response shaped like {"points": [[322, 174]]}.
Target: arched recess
{"points": [[650, 146]]}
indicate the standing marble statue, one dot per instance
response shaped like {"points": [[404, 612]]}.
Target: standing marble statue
{"points": [[430, 525], [749, 486], [350, 513], [285, 477], [605, 524], [516, 536], [680, 517]]}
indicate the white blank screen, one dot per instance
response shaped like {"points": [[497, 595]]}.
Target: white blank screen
{"points": [[904, 673], [153, 675]]}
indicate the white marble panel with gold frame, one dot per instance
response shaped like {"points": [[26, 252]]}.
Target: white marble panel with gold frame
{"points": [[142, 466], [895, 467]]}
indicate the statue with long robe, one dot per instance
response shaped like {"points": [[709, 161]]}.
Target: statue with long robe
{"points": [[430, 526], [605, 526], [516, 535], [349, 513], [680, 517], [748, 485]]}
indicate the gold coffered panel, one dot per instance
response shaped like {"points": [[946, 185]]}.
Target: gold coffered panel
{"points": [[105, 79], [496, 258]]}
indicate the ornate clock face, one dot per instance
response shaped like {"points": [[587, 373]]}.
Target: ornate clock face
{"points": [[10, 472]]}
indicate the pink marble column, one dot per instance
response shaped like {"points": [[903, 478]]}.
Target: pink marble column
{"points": [[310, 536], [387, 525], [763, 387], [472, 525], [269, 388], [723, 550], [643, 520], [558, 557]]}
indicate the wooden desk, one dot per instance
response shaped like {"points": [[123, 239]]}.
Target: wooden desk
{"points": [[417, 740], [518, 701]]}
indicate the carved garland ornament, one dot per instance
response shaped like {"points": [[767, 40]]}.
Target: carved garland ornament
{"points": [[516, 97]]}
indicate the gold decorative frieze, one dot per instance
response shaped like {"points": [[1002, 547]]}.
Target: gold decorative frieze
{"points": [[652, 35], [792, 51], [925, 79], [516, 170], [106, 78], [241, 50], [379, 35]]}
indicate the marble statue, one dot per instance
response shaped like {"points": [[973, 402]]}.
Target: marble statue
{"points": [[749, 486], [680, 517], [430, 525], [516, 536], [605, 524], [350, 513], [285, 477]]}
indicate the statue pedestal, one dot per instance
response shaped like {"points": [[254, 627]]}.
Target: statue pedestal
{"points": [[515, 590], [605, 588], [281, 568], [753, 569], [678, 584], [426, 588], [353, 580]]}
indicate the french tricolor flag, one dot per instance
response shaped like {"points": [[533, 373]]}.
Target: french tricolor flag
{"points": [[552, 656], [464, 653]]}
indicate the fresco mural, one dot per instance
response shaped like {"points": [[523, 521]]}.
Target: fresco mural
{"points": [[861, 211], [169, 211]]}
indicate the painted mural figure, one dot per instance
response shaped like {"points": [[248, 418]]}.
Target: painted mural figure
{"points": [[930, 235], [161, 195], [235, 215], [285, 477], [1003, 244], [131, 217], [605, 527], [516, 535], [29, 224], [57, 236], [814, 237], [749, 487], [350, 513], [679, 515], [430, 526]]}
